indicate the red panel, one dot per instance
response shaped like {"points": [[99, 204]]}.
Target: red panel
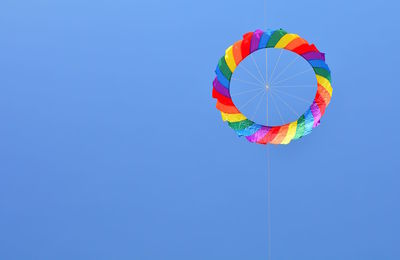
{"points": [[281, 135], [314, 47], [270, 135], [246, 44], [221, 98], [319, 100], [305, 48]]}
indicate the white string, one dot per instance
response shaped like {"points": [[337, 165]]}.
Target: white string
{"points": [[268, 156], [268, 173], [269, 202], [265, 12], [266, 66]]}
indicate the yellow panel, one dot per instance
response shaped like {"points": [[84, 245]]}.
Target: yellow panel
{"points": [[325, 83], [290, 133], [232, 117], [230, 60], [285, 40]]}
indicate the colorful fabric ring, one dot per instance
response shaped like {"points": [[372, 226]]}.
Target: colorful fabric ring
{"points": [[263, 134]]}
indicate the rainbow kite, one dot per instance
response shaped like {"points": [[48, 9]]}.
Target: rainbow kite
{"points": [[262, 134]]}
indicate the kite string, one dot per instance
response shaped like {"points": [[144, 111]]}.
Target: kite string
{"points": [[268, 170], [268, 156], [265, 12], [269, 202]]}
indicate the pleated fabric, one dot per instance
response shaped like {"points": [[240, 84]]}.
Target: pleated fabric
{"points": [[256, 133]]}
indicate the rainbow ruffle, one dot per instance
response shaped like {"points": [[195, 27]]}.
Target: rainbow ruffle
{"points": [[261, 134]]}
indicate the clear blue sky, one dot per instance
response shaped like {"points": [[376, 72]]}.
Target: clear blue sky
{"points": [[111, 148]]}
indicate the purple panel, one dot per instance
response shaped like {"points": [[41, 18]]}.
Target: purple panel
{"points": [[220, 88], [313, 55], [316, 114], [255, 40], [258, 135]]}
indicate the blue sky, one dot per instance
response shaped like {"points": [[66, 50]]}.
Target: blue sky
{"points": [[111, 148]]}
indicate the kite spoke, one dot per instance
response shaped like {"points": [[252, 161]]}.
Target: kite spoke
{"points": [[294, 86], [284, 102], [266, 96], [258, 69], [293, 96], [251, 99], [277, 109], [248, 82], [258, 105], [288, 66], [247, 91], [276, 64], [251, 74], [292, 77]]}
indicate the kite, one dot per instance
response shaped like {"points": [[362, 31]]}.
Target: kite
{"points": [[263, 134]]}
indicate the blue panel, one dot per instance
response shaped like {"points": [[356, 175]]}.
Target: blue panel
{"points": [[319, 64], [264, 38], [221, 78], [308, 122]]}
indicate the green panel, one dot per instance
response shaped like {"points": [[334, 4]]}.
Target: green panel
{"points": [[224, 68], [323, 72], [275, 37], [241, 124], [300, 127]]}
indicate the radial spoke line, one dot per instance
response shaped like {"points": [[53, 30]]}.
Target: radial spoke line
{"points": [[295, 86], [258, 105], [251, 99], [293, 96], [292, 77], [251, 74], [266, 66], [248, 82], [284, 102], [276, 64], [288, 66], [258, 69], [277, 108], [266, 96], [247, 91]]}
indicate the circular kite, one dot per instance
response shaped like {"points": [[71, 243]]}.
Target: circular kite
{"points": [[263, 134]]}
